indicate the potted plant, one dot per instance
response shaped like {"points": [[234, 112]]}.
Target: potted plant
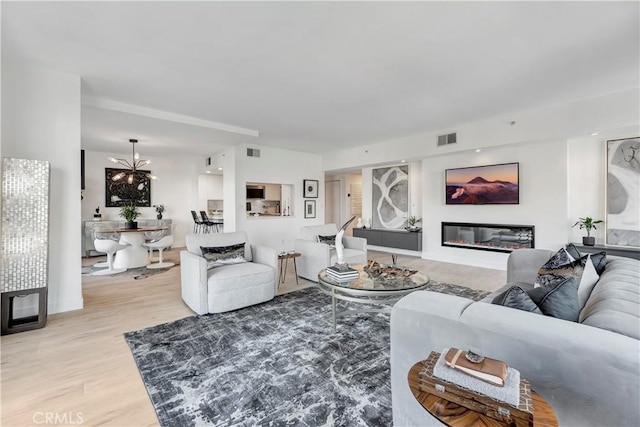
{"points": [[588, 223], [159, 210], [411, 223], [130, 213]]}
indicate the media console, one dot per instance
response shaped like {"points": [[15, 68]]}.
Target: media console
{"points": [[391, 238]]}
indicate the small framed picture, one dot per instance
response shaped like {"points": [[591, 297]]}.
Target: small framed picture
{"points": [[310, 188], [310, 208]]}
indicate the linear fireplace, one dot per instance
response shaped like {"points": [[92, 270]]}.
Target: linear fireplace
{"points": [[488, 237]]}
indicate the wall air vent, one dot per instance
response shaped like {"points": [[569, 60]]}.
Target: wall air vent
{"points": [[253, 152], [447, 139]]}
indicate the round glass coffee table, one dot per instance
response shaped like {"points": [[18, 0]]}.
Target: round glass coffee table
{"points": [[379, 285]]}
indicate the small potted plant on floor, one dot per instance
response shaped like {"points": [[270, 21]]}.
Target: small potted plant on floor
{"points": [[411, 223], [130, 213], [588, 223], [159, 210]]}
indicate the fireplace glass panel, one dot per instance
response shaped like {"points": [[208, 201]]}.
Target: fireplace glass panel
{"points": [[489, 237]]}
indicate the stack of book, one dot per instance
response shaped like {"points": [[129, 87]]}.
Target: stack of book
{"points": [[518, 413], [342, 273]]}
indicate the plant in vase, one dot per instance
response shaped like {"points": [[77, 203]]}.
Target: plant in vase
{"points": [[130, 213], [588, 223], [412, 222], [159, 210]]}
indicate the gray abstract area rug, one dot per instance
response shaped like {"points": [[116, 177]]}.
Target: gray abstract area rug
{"points": [[273, 364], [138, 273]]}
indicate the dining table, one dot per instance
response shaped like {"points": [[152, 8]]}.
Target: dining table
{"points": [[135, 254]]}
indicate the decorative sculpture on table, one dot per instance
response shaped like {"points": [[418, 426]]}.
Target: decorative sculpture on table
{"points": [[339, 245]]}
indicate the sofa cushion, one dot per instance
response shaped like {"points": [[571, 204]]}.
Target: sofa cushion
{"points": [[238, 276], [614, 303]]}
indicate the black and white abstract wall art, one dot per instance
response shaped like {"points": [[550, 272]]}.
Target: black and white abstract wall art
{"points": [[623, 192], [390, 196], [121, 192]]}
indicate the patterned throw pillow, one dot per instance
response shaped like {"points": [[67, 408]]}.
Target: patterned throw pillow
{"points": [[218, 256], [598, 259], [329, 240], [554, 271], [562, 265]]}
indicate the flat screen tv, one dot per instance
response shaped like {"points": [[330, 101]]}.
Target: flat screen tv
{"points": [[483, 185]]}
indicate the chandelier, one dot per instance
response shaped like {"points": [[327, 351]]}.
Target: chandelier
{"points": [[134, 165]]}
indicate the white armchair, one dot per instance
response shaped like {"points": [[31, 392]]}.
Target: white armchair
{"points": [[315, 256], [227, 287]]}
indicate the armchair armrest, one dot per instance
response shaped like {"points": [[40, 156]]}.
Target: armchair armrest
{"points": [[193, 281], [314, 257], [359, 243], [267, 256]]}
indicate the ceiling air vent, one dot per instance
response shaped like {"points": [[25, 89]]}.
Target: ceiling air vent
{"points": [[253, 152], [447, 139]]}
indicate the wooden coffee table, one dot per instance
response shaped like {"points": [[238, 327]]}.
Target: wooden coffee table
{"points": [[454, 415]]}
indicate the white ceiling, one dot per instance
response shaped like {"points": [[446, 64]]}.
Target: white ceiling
{"points": [[320, 76]]}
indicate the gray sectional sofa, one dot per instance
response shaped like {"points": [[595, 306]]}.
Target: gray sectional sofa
{"points": [[589, 371]]}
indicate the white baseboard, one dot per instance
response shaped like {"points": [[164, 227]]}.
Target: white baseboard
{"points": [[493, 260], [28, 306], [393, 250]]}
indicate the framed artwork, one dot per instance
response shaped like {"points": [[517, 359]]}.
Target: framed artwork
{"points": [[310, 208], [310, 188], [390, 196], [483, 185], [622, 192], [121, 192]]}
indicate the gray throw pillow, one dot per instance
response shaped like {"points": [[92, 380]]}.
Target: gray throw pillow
{"points": [[516, 297], [559, 300], [218, 256]]}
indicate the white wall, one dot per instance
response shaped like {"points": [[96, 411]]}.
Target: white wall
{"points": [[543, 201], [274, 166], [210, 187], [551, 123], [41, 120], [176, 188]]}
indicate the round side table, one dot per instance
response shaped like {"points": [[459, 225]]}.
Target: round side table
{"points": [[454, 415]]}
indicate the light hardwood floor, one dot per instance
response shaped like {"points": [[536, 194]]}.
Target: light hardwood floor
{"points": [[78, 370]]}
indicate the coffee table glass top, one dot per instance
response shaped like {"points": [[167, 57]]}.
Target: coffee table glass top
{"points": [[379, 277]]}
